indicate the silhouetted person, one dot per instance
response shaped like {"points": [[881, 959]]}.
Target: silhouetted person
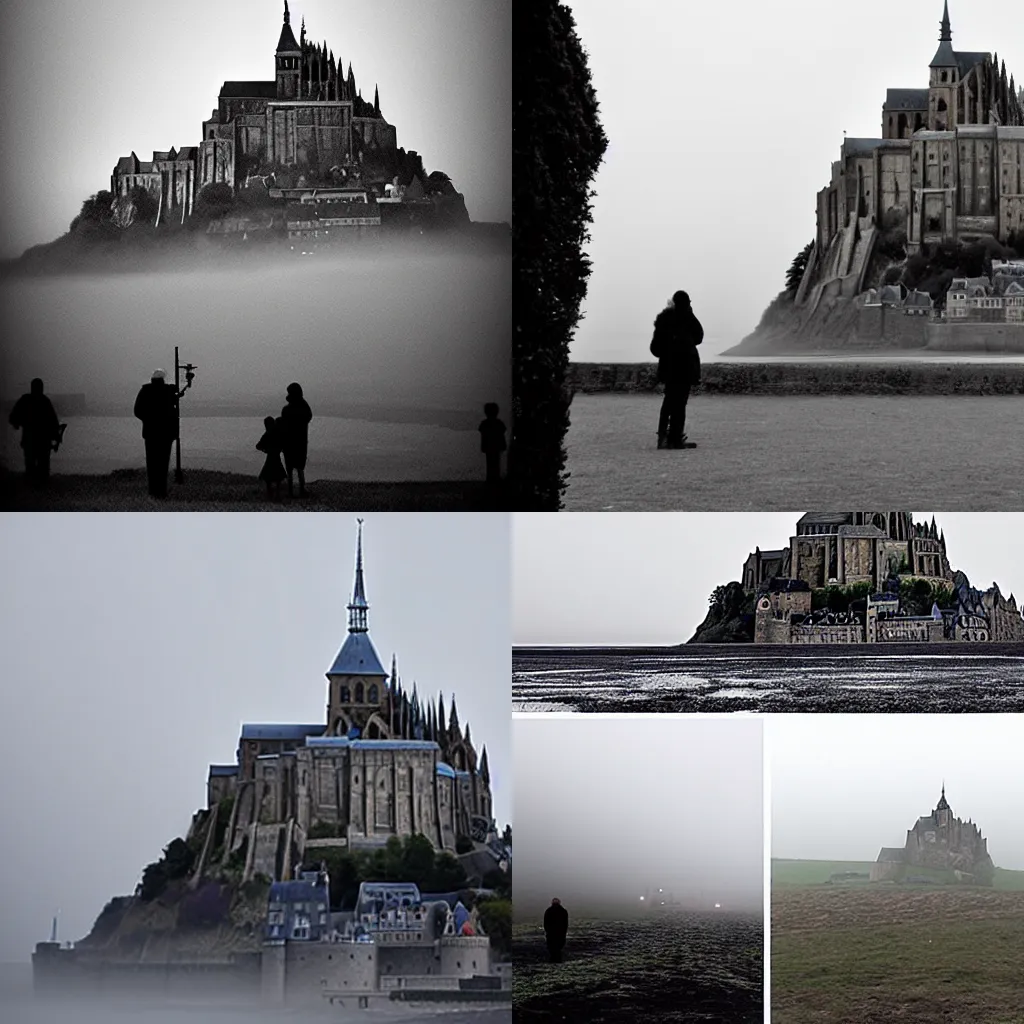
{"points": [[295, 417], [270, 443], [492, 442], [157, 407], [677, 333], [33, 414], [556, 927]]}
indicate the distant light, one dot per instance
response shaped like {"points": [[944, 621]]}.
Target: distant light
{"points": [[641, 899], [718, 906], [661, 890], [663, 903]]}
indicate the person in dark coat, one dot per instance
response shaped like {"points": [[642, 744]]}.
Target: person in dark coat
{"points": [[556, 927], [157, 407], [677, 333], [33, 414], [270, 443], [492, 442], [295, 418]]}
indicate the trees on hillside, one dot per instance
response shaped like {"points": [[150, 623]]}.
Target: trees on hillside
{"points": [[795, 274]]}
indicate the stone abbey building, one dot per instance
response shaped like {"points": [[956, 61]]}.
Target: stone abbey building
{"points": [[948, 166], [382, 763], [311, 121], [938, 841], [879, 551]]}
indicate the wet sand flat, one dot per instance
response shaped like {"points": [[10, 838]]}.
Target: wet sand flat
{"points": [[765, 453]]}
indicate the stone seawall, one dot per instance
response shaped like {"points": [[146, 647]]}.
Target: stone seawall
{"points": [[811, 378], [945, 337]]}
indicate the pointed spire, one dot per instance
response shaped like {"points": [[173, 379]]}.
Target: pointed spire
{"points": [[302, 34], [453, 721], [357, 610], [440, 713], [468, 740], [393, 682], [947, 32], [288, 14], [485, 770], [376, 102]]}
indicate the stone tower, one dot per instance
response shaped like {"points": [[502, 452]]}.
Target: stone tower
{"points": [[357, 695], [944, 79], [289, 60]]}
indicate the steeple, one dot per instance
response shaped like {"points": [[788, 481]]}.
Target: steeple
{"points": [[358, 609], [944, 56], [376, 102], [485, 771], [942, 805], [287, 43]]}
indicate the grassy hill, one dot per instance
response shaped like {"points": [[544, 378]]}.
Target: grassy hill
{"points": [[818, 872]]}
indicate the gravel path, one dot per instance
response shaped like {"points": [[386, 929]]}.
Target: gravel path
{"points": [[767, 453]]}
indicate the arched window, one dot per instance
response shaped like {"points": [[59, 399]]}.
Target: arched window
{"points": [[359, 693], [374, 694], [901, 126], [343, 694], [941, 104]]}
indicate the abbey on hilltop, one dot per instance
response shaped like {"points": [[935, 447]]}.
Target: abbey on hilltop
{"points": [[870, 577], [938, 841], [307, 134], [382, 763]]}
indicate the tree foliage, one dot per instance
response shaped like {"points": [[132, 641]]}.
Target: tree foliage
{"points": [[146, 204], [557, 147], [214, 201], [795, 274], [496, 918]]}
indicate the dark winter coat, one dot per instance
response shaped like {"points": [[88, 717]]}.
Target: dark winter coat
{"points": [[677, 333], [157, 407], [492, 436], [34, 416], [295, 420], [556, 925]]}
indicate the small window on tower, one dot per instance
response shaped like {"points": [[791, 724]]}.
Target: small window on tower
{"points": [[359, 693], [373, 697], [944, 76]]}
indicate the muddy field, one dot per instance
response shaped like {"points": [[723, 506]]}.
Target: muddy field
{"points": [[682, 970], [873, 955]]}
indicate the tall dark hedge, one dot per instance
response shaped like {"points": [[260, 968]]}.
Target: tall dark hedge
{"points": [[557, 147]]}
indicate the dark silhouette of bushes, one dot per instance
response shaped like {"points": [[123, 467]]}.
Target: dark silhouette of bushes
{"points": [[557, 147]]}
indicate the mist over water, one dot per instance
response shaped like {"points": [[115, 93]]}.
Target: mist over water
{"points": [[397, 330]]}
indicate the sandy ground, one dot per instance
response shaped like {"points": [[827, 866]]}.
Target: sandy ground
{"points": [[209, 491], [761, 453]]}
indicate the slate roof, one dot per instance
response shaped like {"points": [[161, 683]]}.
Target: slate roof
{"points": [[295, 892], [825, 518], [855, 147], [249, 90], [968, 59], [276, 731], [357, 657], [906, 99], [287, 43], [223, 770], [445, 769]]}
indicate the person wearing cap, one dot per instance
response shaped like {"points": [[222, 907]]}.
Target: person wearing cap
{"points": [[33, 414], [677, 333], [295, 418], [157, 407]]}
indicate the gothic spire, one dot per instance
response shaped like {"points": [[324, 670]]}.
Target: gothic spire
{"points": [[376, 102], [358, 609], [944, 56], [288, 15], [440, 713], [485, 771], [947, 32], [453, 721]]}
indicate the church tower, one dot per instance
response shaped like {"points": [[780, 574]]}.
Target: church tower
{"points": [[942, 809], [357, 695], [289, 60], [944, 78]]}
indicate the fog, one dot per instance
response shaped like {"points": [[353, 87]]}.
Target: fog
{"points": [[135, 646], [844, 786], [400, 331], [85, 84], [723, 123], [610, 809], [645, 578]]}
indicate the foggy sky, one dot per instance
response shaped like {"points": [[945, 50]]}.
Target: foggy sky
{"points": [[645, 577], [723, 123], [607, 807], [844, 786], [135, 647], [87, 83]]}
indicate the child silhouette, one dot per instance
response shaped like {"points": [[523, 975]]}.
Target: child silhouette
{"points": [[273, 469]]}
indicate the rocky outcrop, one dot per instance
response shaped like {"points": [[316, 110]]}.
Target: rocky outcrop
{"points": [[730, 618]]}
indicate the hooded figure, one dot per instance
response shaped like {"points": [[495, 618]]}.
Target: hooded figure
{"points": [[295, 418], [556, 927], [677, 333], [33, 414], [157, 407]]}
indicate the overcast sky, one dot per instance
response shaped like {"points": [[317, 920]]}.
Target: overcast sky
{"points": [[645, 577], [86, 83], [723, 123], [608, 807], [844, 786], [135, 646]]}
